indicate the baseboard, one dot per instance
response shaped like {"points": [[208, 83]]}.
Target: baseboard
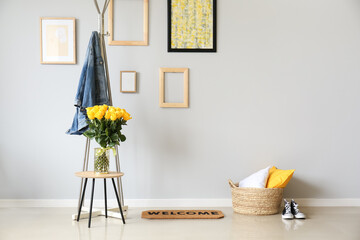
{"points": [[223, 202], [328, 202], [113, 203]]}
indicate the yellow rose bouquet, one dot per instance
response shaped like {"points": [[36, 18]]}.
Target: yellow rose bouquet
{"points": [[105, 125]]}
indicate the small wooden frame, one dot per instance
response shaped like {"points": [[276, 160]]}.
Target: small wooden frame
{"points": [[145, 40], [162, 102], [128, 81], [57, 40]]}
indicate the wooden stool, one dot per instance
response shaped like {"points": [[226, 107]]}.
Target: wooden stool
{"points": [[93, 175]]}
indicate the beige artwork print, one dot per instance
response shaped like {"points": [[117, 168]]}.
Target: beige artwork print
{"points": [[57, 43]]}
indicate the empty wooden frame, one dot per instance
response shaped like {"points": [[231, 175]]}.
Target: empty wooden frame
{"points": [[128, 81], [145, 40], [162, 102]]}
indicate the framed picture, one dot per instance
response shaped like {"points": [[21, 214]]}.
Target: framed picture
{"points": [[185, 89], [57, 41], [128, 81], [191, 25], [132, 18]]}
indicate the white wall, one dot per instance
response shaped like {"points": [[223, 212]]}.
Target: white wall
{"points": [[282, 89]]}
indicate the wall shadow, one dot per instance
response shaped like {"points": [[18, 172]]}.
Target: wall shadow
{"points": [[299, 188]]}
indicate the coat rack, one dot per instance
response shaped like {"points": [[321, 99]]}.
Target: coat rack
{"points": [[114, 212]]}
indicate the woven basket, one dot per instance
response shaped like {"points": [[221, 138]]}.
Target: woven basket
{"points": [[256, 201]]}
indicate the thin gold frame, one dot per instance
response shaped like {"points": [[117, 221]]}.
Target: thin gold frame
{"points": [[162, 102], [145, 40]]}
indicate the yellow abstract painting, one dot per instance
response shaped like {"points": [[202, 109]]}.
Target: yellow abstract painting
{"points": [[192, 24]]}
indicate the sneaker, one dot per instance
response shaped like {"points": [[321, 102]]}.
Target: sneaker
{"points": [[286, 213], [295, 210]]}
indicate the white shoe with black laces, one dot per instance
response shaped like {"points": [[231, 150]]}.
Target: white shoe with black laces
{"points": [[295, 210], [286, 213]]}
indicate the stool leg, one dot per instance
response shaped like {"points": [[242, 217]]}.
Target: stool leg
{"points": [[91, 202], [118, 200], [82, 200], [105, 197]]}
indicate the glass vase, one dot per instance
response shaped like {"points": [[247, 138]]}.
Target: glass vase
{"points": [[101, 160]]}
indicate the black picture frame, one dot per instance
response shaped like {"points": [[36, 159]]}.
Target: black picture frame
{"points": [[170, 49]]}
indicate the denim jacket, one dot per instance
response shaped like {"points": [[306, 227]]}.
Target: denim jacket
{"points": [[93, 87]]}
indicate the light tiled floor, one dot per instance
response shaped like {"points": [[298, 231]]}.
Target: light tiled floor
{"points": [[55, 223]]}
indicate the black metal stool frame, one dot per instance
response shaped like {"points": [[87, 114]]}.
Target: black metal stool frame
{"points": [[92, 199]]}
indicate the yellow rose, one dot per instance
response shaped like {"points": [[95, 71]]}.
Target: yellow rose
{"points": [[113, 116], [91, 115], [126, 116], [100, 114], [90, 112], [119, 114], [95, 109], [104, 107], [107, 115], [93, 112]]}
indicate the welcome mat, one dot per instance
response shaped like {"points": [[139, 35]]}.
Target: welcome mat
{"points": [[182, 214]]}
